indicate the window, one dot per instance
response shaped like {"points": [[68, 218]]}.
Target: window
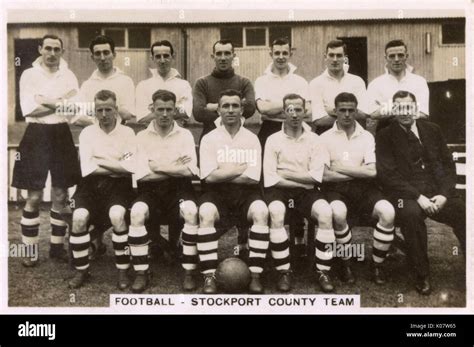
{"points": [[453, 33], [256, 36], [133, 37], [234, 34]]}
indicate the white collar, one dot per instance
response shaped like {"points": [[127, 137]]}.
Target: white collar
{"points": [[96, 75], [358, 129], [268, 70], [173, 74], [151, 128]]}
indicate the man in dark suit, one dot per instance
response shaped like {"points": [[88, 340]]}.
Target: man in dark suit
{"points": [[417, 172]]}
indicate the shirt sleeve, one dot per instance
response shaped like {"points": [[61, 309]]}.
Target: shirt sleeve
{"points": [[260, 89], [186, 100], [270, 164], [129, 155], [361, 95], [373, 97], [189, 148], [207, 156], [254, 169], [316, 97], [317, 161], [200, 113], [423, 96], [86, 152], [142, 101], [142, 168], [27, 94], [369, 155], [128, 95], [248, 94]]}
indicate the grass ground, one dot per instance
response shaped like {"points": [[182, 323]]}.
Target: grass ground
{"points": [[46, 285]]}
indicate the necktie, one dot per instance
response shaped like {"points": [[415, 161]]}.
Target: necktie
{"points": [[416, 148]]}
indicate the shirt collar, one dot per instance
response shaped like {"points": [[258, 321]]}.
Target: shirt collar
{"points": [[218, 122], [268, 70], [151, 128], [358, 129], [303, 135], [96, 76], [97, 126], [345, 68], [173, 74], [63, 65]]}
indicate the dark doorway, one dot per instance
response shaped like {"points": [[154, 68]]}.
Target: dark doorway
{"points": [[357, 55], [26, 51]]}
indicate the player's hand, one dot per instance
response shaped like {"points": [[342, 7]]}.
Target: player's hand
{"points": [[337, 167], [427, 205], [241, 167], [284, 173], [183, 160], [439, 201], [211, 107], [153, 164]]}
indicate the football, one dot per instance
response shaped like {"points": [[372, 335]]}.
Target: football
{"points": [[233, 276]]}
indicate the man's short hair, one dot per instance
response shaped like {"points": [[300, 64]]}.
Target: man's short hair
{"points": [[164, 95], [230, 92], [345, 97], [293, 96], [162, 43], [281, 41], [336, 44], [100, 40], [222, 42], [403, 94], [105, 94], [52, 37], [395, 43]]}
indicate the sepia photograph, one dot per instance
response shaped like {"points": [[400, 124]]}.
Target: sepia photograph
{"points": [[229, 155]]}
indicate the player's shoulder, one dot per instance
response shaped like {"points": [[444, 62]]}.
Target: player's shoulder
{"points": [[355, 78], [377, 80], [317, 80], [144, 83], [87, 131], [126, 130], [417, 78]]}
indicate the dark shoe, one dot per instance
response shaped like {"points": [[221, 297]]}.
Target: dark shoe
{"points": [[123, 281], [423, 286], [30, 262], [378, 274], [58, 253], [255, 286], [141, 282], [210, 286], [325, 281], [79, 279], [346, 272], [189, 281], [284, 281]]}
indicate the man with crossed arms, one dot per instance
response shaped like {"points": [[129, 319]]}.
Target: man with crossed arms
{"points": [[293, 167], [349, 184], [231, 186]]}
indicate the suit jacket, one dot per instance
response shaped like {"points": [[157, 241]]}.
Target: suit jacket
{"points": [[394, 168]]}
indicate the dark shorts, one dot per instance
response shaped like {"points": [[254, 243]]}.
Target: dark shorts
{"points": [[163, 198], [232, 201], [98, 193], [296, 200], [360, 196], [43, 148]]}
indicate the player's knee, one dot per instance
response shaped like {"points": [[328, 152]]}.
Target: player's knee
{"points": [[59, 195], [385, 211], [34, 199], [117, 215], [80, 218], [188, 210], [276, 211], [207, 214], [322, 211], [339, 212], [259, 212], [138, 214]]}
